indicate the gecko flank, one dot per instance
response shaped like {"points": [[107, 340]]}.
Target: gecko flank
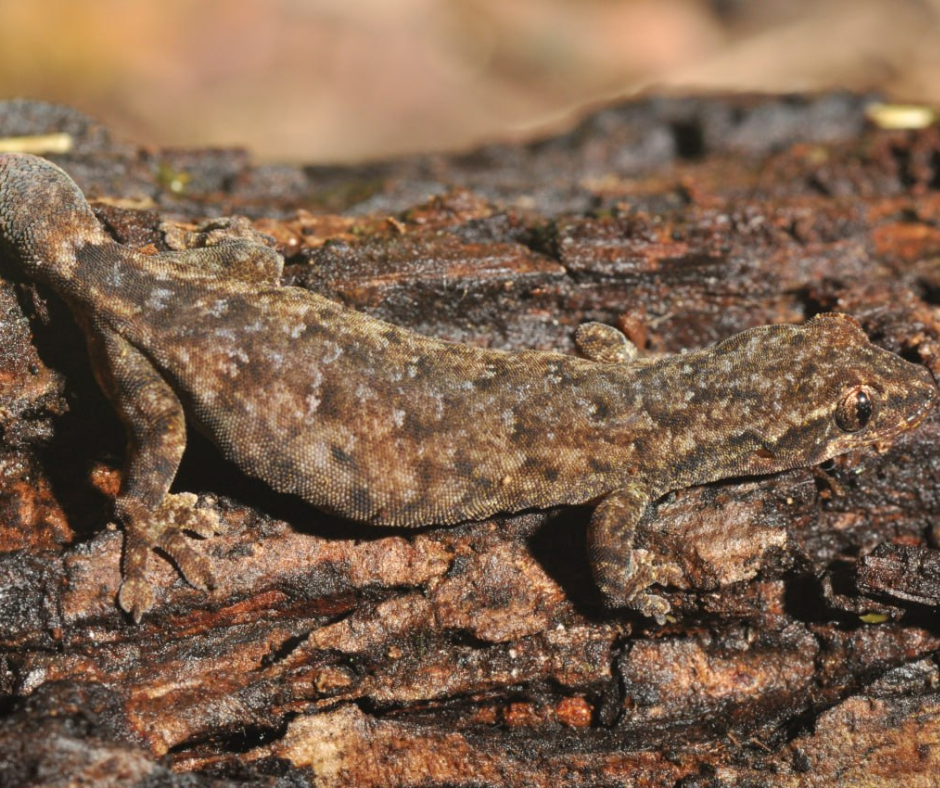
{"points": [[385, 426]]}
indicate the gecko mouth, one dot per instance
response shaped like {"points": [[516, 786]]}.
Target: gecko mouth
{"points": [[927, 404]]}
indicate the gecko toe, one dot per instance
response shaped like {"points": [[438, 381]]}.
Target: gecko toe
{"points": [[202, 522], [195, 568], [652, 606], [135, 597]]}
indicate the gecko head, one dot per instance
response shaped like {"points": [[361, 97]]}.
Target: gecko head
{"points": [[874, 395], [816, 391]]}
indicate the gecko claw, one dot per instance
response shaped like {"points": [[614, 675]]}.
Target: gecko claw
{"points": [[135, 597]]}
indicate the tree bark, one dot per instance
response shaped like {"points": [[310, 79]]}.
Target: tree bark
{"points": [[804, 643]]}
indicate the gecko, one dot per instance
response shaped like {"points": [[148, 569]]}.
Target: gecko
{"points": [[381, 425]]}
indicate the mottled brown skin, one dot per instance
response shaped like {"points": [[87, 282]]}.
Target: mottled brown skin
{"points": [[385, 426]]}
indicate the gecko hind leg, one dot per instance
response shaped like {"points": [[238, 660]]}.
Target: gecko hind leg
{"points": [[236, 259], [622, 572], [151, 517]]}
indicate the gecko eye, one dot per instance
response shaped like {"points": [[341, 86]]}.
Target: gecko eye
{"points": [[856, 409]]}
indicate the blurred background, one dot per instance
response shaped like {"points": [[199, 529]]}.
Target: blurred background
{"points": [[347, 80]]}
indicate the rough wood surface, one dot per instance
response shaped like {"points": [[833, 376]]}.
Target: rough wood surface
{"points": [[805, 645]]}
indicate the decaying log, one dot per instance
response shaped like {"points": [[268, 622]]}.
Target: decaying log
{"points": [[804, 645]]}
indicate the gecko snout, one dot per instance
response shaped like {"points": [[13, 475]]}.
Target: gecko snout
{"points": [[915, 398], [927, 398]]}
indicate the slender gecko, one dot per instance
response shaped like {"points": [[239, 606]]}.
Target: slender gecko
{"points": [[382, 425]]}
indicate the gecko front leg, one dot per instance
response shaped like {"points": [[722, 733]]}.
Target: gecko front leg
{"points": [[156, 429], [624, 573], [239, 259]]}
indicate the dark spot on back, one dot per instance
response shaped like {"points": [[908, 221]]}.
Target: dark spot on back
{"points": [[483, 486], [329, 407], [602, 410], [361, 500], [417, 427], [424, 365], [340, 456], [313, 329], [485, 382], [463, 467], [523, 435]]}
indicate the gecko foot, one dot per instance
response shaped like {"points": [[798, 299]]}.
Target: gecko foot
{"points": [[641, 570], [162, 530], [651, 606]]}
